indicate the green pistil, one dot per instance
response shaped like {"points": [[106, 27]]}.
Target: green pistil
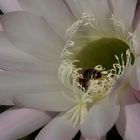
{"points": [[102, 52]]}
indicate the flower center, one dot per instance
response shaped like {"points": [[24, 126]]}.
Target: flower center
{"points": [[92, 60]]}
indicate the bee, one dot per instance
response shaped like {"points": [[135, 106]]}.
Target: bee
{"points": [[87, 75]]}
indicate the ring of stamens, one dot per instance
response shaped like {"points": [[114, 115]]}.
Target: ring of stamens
{"points": [[88, 89]]}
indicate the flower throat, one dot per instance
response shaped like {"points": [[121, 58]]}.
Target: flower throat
{"points": [[93, 59]]}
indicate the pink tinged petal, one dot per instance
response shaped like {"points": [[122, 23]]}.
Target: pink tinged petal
{"points": [[136, 19], [9, 5], [136, 93], [124, 11], [100, 119], [18, 123], [58, 129], [32, 34], [18, 83], [128, 124], [55, 12], [50, 101], [13, 59], [137, 33], [86, 139], [82, 138], [134, 79]]}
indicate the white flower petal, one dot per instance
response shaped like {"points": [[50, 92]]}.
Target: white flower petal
{"points": [[55, 12], [128, 123], [124, 11], [50, 101], [138, 71], [136, 18], [12, 83], [58, 129], [75, 7], [33, 35], [136, 93], [1, 28], [9, 5], [98, 8], [12, 58], [110, 5], [137, 33], [17, 123], [100, 119], [134, 79]]}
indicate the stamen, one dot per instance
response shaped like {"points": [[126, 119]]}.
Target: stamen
{"points": [[97, 88], [119, 28], [122, 34], [78, 113], [92, 84], [86, 20]]}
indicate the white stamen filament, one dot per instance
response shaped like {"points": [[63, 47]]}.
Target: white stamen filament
{"points": [[97, 89]]}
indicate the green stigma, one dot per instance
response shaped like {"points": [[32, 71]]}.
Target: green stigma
{"points": [[102, 52]]}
